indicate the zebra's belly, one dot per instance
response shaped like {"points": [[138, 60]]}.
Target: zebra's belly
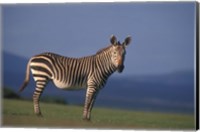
{"points": [[67, 86]]}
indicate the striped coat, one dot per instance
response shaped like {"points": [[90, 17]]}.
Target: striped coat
{"points": [[66, 73]]}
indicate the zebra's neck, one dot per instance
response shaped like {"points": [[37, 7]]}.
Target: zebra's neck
{"points": [[104, 63]]}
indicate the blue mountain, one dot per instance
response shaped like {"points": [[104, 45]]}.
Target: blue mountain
{"points": [[173, 92]]}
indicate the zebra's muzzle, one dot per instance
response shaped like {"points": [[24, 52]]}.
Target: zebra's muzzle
{"points": [[120, 68]]}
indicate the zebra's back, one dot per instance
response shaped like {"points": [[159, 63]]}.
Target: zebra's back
{"points": [[65, 72]]}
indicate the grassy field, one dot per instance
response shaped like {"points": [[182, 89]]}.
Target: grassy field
{"points": [[18, 113]]}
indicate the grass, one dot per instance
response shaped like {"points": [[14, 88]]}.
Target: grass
{"points": [[19, 113]]}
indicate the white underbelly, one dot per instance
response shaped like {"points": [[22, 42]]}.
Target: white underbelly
{"points": [[67, 86]]}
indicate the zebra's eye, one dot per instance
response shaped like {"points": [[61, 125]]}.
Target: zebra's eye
{"points": [[114, 52]]}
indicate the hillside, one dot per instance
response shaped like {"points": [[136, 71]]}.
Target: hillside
{"points": [[173, 92]]}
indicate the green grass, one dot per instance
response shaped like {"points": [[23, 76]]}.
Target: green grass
{"points": [[18, 113]]}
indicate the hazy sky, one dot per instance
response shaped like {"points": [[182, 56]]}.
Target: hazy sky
{"points": [[163, 33]]}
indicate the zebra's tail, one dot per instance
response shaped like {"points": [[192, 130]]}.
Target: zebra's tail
{"points": [[27, 78]]}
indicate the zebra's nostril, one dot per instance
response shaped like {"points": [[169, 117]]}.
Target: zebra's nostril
{"points": [[120, 69]]}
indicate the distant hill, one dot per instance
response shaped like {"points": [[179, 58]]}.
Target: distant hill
{"points": [[13, 63], [173, 92]]}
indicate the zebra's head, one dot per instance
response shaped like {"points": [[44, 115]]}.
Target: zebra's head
{"points": [[118, 52]]}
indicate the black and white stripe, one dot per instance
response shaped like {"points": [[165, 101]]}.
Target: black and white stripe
{"points": [[66, 73]]}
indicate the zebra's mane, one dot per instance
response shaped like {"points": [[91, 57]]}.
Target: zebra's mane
{"points": [[103, 49]]}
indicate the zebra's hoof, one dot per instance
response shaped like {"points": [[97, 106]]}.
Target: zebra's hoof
{"points": [[86, 119], [39, 114]]}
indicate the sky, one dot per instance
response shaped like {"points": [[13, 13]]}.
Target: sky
{"points": [[163, 33]]}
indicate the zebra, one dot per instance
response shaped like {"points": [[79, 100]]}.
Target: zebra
{"points": [[67, 73]]}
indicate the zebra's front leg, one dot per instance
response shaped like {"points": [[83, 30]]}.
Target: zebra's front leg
{"points": [[89, 102]]}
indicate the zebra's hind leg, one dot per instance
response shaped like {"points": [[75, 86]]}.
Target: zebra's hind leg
{"points": [[40, 85]]}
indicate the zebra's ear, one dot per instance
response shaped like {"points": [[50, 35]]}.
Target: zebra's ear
{"points": [[127, 41], [113, 40]]}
